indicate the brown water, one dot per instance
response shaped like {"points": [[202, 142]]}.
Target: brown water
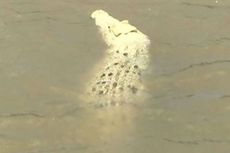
{"points": [[47, 49]]}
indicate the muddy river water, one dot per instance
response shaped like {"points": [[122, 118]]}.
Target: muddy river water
{"points": [[47, 49]]}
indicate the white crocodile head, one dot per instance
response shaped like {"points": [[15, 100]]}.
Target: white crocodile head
{"points": [[110, 27]]}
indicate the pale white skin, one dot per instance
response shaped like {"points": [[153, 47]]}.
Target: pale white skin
{"points": [[118, 78]]}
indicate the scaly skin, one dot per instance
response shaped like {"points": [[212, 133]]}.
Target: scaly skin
{"points": [[118, 78]]}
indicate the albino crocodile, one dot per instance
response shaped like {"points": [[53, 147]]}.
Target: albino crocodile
{"points": [[118, 75]]}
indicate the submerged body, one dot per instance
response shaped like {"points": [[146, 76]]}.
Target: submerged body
{"points": [[118, 77]]}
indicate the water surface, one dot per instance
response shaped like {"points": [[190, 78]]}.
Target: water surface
{"points": [[47, 49]]}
